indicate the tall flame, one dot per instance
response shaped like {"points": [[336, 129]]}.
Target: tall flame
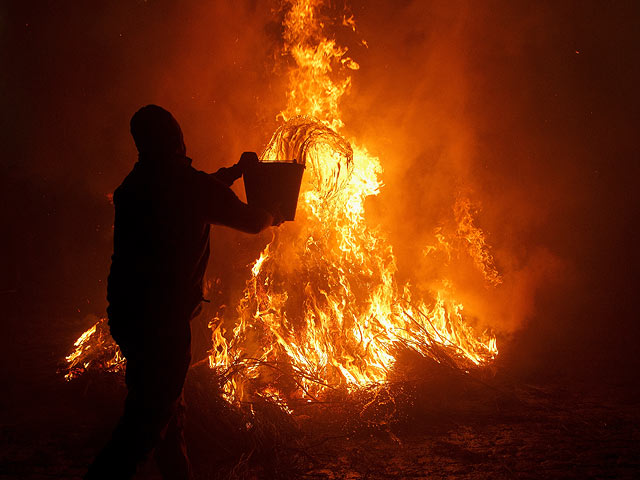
{"points": [[322, 308]]}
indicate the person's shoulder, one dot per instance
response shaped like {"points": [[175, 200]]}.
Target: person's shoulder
{"points": [[193, 171]]}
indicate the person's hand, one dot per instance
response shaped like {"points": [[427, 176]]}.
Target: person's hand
{"points": [[247, 160]]}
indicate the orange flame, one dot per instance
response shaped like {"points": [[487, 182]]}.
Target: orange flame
{"points": [[322, 306]]}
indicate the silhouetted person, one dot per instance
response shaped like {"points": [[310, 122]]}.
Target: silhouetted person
{"points": [[163, 211]]}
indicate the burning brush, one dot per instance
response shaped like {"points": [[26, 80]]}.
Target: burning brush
{"points": [[322, 310], [322, 313]]}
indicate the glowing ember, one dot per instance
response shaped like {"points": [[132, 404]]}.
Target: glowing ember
{"points": [[322, 308]]}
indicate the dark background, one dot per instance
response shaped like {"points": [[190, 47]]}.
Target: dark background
{"points": [[531, 106]]}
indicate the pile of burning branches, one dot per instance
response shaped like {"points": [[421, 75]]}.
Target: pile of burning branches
{"points": [[321, 310], [322, 321]]}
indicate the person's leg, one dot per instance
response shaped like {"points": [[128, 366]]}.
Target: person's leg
{"points": [[120, 457], [154, 381], [171, 452]]}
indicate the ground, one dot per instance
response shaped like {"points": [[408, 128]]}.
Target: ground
{"points": [[552, 433], [500, 428]]}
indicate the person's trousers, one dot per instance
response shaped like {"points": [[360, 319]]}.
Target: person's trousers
{"points": [[153, 414]]}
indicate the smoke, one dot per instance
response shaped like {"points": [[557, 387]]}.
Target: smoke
{"points": [[419, 103], [518, 107], [527, 109]]}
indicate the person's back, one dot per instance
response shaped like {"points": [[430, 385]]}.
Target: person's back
{"points": [[161, 242], [161, 247]]}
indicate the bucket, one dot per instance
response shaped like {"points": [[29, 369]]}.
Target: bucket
{"points": [[274, 185]]}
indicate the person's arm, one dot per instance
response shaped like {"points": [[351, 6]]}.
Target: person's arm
{"points": [[228, 175], [220, 206], [246, 218]]}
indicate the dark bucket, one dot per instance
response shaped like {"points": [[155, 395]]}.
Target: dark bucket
{"points": [[272, 185]]}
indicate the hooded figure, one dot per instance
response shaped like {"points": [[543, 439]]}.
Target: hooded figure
{"points": [[163, 212]]}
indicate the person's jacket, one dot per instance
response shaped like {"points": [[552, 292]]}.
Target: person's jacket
{"points": [[163, 210]]}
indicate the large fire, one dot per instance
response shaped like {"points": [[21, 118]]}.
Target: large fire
{"points": [[322, 308]]}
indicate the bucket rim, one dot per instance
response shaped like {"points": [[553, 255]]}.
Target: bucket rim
{"points": [[292, 162]]}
